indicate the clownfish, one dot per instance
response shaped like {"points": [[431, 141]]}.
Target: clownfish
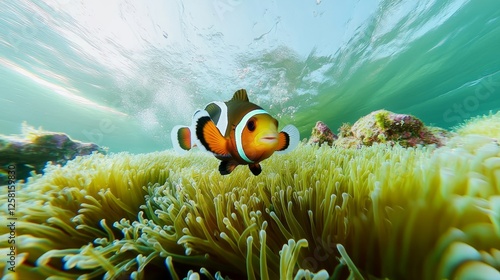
{"points": [[237, 132]]}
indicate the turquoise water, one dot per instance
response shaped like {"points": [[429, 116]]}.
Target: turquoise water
{"points": [[123, 73]]}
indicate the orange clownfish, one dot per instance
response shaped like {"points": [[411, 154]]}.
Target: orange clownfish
{"points": [[237, 132]]}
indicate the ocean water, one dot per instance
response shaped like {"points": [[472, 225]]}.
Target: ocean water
{"points": [[123, 73]]}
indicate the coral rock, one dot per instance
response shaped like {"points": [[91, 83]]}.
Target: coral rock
{"points": [[387, 127], [321, 134], [34, 148]]}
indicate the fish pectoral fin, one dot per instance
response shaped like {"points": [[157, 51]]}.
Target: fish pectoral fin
{"points": [[288, 139], [255, 168], [181, 138], [226, 167], [210, 136]]}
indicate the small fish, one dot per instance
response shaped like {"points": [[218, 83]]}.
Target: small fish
{"points": [[237, 132]]}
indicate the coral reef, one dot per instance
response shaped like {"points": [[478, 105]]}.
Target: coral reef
{"points": [[321, 134], [387, 127], [315, 212], [34, 148]]}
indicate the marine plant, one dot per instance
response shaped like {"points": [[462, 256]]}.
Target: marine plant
{"points": [[318, 212], [345, 130], [382, 118]]}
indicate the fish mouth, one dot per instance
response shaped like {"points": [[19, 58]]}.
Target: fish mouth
{"points": [[269, 139]]}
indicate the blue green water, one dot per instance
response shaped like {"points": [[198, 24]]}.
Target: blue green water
{"points": [[123, 73]]}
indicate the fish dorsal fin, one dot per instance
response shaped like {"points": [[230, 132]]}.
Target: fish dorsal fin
{"points": [[240, 95], [213, 111]]}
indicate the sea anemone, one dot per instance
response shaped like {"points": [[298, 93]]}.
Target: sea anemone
{"points": [[486, 125], [318, 212]]}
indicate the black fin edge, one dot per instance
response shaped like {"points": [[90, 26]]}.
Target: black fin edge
{"points": [[225, 167], [287, 138], [200, 124], [255, 168], [180, 138]]}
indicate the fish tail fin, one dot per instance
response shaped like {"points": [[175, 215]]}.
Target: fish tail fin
{"points": [[288, 139], [181, 137]]}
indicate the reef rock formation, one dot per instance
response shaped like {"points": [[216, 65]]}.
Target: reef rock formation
{"points": [[31, 151], [321, 134], [387, 127]]}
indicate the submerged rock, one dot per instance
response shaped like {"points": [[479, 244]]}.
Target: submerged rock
{"points": [[31, 151], [322, 134], [387, 127]]}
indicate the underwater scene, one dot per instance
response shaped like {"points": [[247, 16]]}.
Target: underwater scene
{"points": [[230, 139]]}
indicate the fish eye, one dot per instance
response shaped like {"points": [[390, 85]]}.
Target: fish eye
{"points": [[251, 125]]}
